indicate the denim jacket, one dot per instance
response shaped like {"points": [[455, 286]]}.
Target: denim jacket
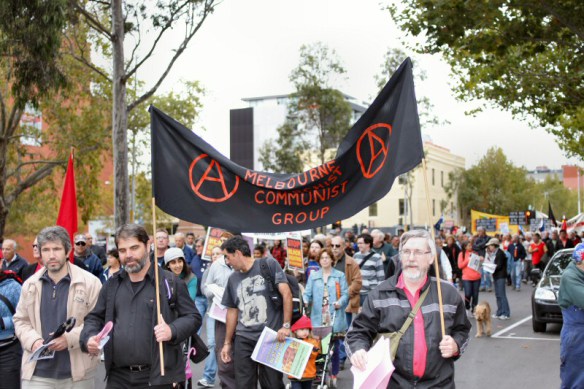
{"points": [[314, 293]]}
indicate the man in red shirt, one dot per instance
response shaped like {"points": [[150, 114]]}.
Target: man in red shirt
{"points": [[424, 357], [537, 250]]}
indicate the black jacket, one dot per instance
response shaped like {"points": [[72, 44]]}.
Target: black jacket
{"points": [[386, 309], [501, 262], [183, 319]]}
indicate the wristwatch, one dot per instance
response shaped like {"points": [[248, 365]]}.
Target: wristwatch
{"points": [[286, 325]]}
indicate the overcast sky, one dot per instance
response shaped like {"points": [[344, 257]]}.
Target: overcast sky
{"points": [[248, 48]]}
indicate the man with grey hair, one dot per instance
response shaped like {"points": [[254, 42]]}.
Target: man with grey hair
{"points": [[180, 242], [49, 297], [384, 250], [12, 261], [424, 357]]}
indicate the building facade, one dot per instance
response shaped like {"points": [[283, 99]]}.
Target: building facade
{"points": [[406, 202]]}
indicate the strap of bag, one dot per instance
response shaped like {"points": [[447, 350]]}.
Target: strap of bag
{"points": [[8, 303], [414, 312], [366, 259]]}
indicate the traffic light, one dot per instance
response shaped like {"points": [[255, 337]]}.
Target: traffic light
{"points": [[529, 215], [336, 225]]}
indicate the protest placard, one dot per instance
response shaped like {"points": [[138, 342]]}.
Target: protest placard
{"points": [[294, 252]]}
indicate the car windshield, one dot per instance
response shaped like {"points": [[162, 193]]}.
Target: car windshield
{"points": [[559, 263]]}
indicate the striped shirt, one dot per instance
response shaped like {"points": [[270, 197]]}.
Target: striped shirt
{"points": [[372, 271]]}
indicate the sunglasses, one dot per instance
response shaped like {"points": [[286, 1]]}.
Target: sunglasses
{"points": [[80, 244], [336, 245]]}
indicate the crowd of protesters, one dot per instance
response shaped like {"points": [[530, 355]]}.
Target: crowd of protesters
{"points": [[341, 276]]}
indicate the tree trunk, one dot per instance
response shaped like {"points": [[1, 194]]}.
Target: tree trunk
{"points": [[120, 118]]}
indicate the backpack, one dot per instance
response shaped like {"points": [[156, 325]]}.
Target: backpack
{"points": [[276, 297]]}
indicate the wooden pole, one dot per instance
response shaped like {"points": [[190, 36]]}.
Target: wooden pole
{"points": [[436, 260], [156, 281]]}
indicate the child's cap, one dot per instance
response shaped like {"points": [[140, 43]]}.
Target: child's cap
{"points": [[302, 323]]}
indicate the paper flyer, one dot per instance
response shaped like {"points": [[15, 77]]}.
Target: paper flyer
{"points": [[42, 352], [474, 262], [218, 311], [294, 253], [290, 357], [379, 367]]}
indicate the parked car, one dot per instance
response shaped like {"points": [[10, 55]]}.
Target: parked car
{"points": [[544, 300]]}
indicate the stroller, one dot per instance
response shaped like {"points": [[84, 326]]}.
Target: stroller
{"points": [[323, 362]]}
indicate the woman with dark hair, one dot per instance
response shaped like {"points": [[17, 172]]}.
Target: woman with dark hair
{"points": [[471, 275], [174, 261], [452, 251], [113, 265]]}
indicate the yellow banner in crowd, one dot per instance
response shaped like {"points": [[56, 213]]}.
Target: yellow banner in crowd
{"points": [[494, 224]]}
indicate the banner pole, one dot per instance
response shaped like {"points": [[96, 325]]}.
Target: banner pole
{"points": [[436, 265], [156, 281]]}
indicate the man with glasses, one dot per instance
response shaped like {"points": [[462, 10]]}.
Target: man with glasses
{"points": [[349, 267], [32, 268], [161, 243], [424, 357], [96, 249], [83, 254]]}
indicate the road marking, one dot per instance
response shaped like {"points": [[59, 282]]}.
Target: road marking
{"points": [[524, 338], [498, 334]]}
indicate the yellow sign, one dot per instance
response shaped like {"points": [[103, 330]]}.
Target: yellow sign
{"points": [[493, 224], [294, 253]]}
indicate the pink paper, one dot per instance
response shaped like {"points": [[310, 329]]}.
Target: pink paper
{"points": [[106, 330], [379, 368]]}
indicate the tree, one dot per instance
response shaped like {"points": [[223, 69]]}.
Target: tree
{"points": [[185, 107], [116, 25], [316, 111], [392, 60], [33, 162], [524, 56], [494, 185], [30, 42]]}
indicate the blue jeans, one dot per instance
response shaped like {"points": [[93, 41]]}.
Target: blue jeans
{"points": [[211, 362], [471, 293], [486, 279], [516, 273], [502, 303], [342, 352]]}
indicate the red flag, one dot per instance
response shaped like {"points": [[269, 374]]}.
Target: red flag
{"points": [[564, 224], [68, 211]]}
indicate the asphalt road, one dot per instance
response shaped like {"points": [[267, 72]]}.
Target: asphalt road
{"points": [[513, 357]]}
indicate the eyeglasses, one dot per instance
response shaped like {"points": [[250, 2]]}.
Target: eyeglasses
{"points": [[336, 245], [80, 244], [417, 253]]}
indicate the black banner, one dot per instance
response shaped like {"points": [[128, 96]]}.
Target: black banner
{"points": [[194, 182]]}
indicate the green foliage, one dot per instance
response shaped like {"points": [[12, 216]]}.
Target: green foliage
{"points": [[30, 35], [494, 185], [285, 154], [78, 118], [392, 60], [319, 116], [524, 56]]}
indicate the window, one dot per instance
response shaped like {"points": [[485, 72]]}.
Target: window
{"points": [[402, 207], [373, 210], [433, 207], [442, 179], [433, 178]]}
